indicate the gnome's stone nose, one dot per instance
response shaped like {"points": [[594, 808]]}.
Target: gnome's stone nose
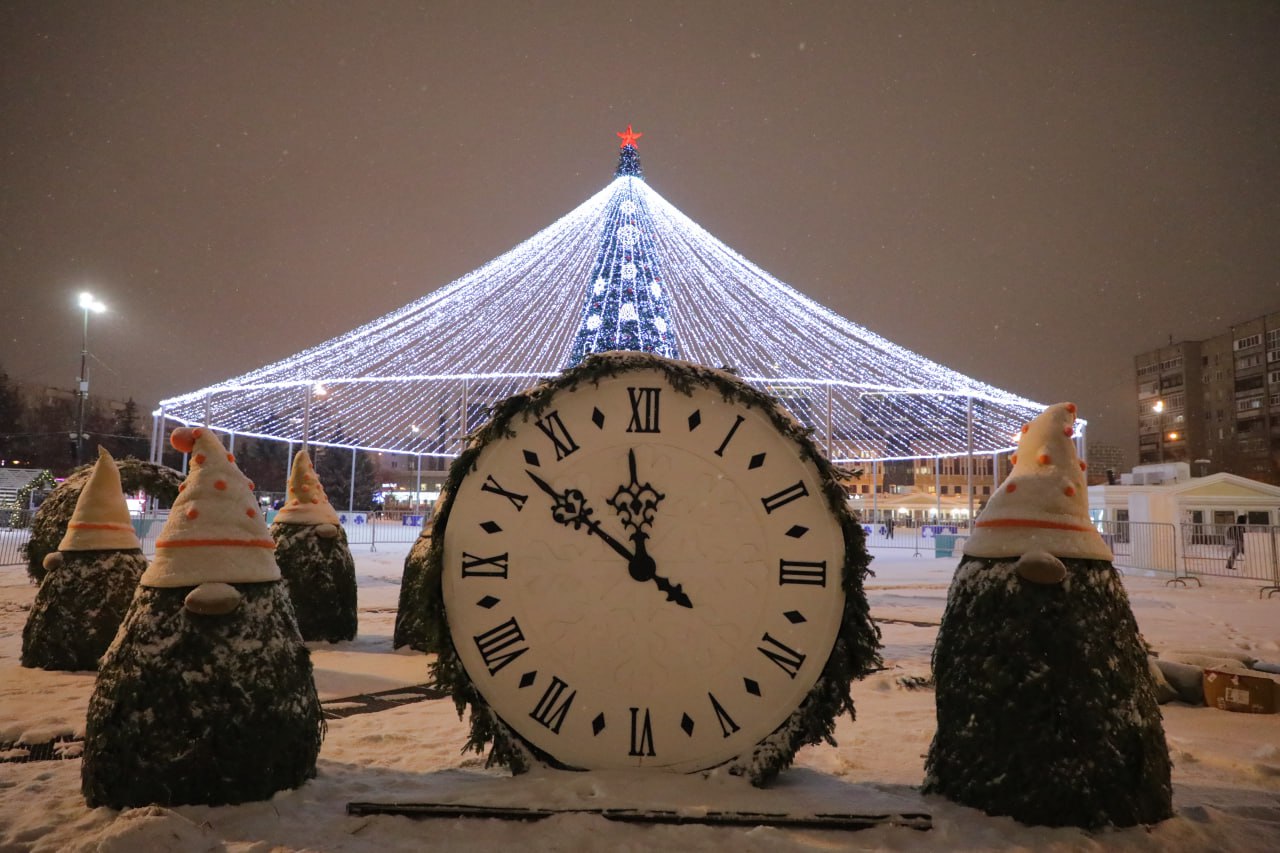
{"points": [[212, 599]]}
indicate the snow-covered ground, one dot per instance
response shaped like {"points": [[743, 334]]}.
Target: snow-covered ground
{"points": [[1226, 765]]}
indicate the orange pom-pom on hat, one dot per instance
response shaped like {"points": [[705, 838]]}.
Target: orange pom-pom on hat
{"points": [[210, 536], [306, 502], [100, 521], [1043, 505]]}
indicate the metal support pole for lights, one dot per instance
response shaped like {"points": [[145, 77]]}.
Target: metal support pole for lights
{"points": [[1158, 408], [87, 303], [417, 489]]}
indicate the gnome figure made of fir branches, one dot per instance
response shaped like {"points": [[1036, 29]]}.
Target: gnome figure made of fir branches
{"points": [[312, 552], [89, 581], [1046, 707], [206, 694], [412, 626]]}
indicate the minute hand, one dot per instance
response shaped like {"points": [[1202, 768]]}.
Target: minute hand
{"points": [[570, 509], [564, 511]]}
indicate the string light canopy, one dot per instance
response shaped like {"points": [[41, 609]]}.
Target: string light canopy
{"points": [[624, 270]]}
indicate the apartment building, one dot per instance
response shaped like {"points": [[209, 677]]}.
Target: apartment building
{"points": [[1214, 404]]}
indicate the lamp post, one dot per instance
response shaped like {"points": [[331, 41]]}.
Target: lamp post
{"points": [[87, 303], [1158, 408], [417, 489]]}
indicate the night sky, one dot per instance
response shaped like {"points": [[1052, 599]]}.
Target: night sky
{"points": [[1028, 192]]}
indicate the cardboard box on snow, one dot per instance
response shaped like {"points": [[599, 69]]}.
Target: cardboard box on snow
{"points": [[1231, 690]]}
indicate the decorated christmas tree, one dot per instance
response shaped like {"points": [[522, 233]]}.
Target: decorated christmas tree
{"points": [[625, 306], [206, 694], [314, 559], [1046, 705], [89, 581]]}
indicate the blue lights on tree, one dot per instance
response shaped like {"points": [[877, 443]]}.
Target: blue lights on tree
{"points": [[625, 306]]}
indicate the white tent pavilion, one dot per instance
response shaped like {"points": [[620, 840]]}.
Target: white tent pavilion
{"points": [[419, 379]]}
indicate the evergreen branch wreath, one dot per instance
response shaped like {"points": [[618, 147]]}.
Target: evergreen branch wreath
{"points": [[21, 500], [854, 654]]}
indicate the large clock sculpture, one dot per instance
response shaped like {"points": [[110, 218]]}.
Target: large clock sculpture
{"points": [[646, 564]]}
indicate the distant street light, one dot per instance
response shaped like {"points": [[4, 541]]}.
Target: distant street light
{"points": [[87, 303], [417, 489], [1158, 408]]}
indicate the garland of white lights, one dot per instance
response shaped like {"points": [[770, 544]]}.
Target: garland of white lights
{"points": [[626, 257]]}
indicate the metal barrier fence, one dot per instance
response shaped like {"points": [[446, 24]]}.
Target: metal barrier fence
{"points": [[383, 527], [1142, 545], [1244, 551], [15, 530], [925, 540]]}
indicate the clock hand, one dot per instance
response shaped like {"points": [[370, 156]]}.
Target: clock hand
{"points": [[635, 502], [570, 509], [643, 568]]}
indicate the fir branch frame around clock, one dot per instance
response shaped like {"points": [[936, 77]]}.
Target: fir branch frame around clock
{"points": [[854, 654]]}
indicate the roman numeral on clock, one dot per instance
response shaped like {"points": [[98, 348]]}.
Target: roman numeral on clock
{"points": [[496, 645], [554, 429], [644, 409], [727, 725], [474, 567], [788, 659], [729, 436], [784, 497], [641, 734], [553, 706], [491, 485], [799, 572]]}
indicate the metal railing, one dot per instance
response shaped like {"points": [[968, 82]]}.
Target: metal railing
{"points": [[1243, 551], [923, 540], [15, 530], [382, 527], [1142, 546]]}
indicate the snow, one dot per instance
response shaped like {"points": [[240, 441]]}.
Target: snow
{"points": [[1226, 765]]}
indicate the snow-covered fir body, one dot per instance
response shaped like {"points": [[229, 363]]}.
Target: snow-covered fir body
{"points": [[1046, 708], [412, 625], [321, 577], [210, 709], [89, 580], [206, 695], [314, 558], [79, 608], [1046, 705]]}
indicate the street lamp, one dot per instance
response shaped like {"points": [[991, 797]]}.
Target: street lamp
{"points": [[1158, 408], [417, 489], [87, 303]]}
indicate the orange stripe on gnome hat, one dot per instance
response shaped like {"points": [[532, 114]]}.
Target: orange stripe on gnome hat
{"points": [[215, 532], [1043, 505], [306, 502], [100, 521]]}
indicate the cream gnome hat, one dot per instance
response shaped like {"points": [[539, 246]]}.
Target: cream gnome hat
{"points": [[306, 502], [215, 532], [100, 521], [1043, 505]]}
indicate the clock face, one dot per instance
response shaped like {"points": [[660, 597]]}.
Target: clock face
{"points": [[640, 577]]}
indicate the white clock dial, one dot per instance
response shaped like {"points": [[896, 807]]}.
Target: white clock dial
{"points": [[640, 577]]}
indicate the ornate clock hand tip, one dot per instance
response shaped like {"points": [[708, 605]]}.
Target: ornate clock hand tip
{"points": [[542, 484]]}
